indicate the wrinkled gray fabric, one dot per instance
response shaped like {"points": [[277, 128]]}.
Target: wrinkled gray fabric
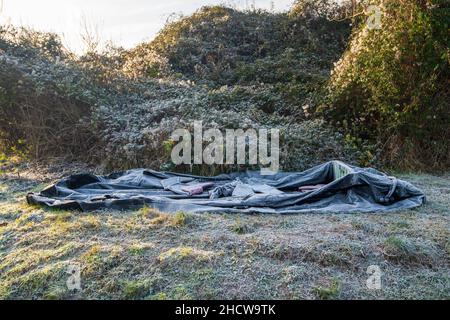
{"points": [[345, 191], [225, 190]]}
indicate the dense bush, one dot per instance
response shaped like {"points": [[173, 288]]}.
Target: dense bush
{"points": [[234, 69], [391, 87], [228, 68], [44, 97], [138, 134], [288, 54]]}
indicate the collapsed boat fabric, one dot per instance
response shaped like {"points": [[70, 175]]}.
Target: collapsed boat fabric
{"points": [[340, 188]]}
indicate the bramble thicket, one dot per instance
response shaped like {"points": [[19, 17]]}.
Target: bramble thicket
{"points": [[335, 88]]}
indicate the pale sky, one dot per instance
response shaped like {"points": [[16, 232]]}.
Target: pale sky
{"points": [[124, 22]]}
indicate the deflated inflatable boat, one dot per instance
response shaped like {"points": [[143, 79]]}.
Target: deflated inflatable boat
{"points": [[332, 187]]}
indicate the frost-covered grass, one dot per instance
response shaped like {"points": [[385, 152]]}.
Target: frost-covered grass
{"points": [[147, 254]]}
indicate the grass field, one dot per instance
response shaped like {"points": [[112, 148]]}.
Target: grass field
{"points": [[153, 255]]}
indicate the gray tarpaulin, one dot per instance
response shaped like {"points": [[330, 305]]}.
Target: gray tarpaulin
{"points": [[337, 187]]}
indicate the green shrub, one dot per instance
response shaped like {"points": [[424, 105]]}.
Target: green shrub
{"points": [[329, 292], [391, 86]]}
